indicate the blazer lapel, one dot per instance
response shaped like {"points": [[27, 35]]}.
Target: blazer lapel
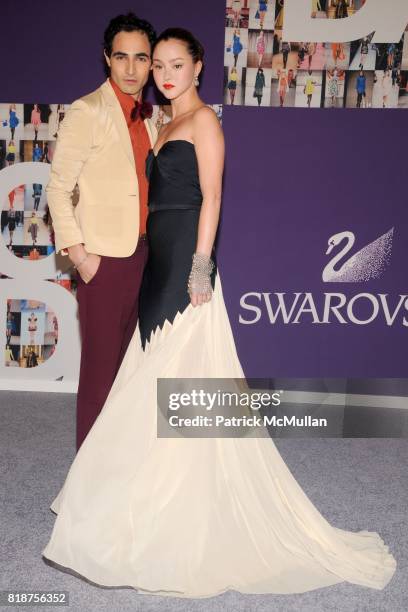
{"points": [[119, 119]]}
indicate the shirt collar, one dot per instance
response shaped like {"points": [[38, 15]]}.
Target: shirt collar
{"points": [[126, 101]]}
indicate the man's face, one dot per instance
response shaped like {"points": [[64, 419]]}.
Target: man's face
{"points": [[130, 62]]}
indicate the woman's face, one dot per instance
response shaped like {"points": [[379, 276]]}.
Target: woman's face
{"points": [[129, 61], [173, 68]]}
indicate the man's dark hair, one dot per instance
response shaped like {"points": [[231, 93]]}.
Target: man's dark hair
{"points": [[126, 23]]}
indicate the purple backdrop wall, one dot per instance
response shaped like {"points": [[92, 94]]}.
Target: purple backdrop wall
{"points": [[293, 178]]}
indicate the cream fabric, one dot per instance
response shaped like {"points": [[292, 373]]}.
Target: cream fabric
{"points": [[94, 151], [195, 517]]}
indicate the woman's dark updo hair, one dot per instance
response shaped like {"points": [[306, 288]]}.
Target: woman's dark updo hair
{"points": [[126, 23], [194, 47]]}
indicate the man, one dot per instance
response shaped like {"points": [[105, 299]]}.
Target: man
{"points": [[102, 146]]}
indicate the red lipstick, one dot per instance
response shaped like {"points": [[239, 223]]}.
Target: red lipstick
{"points": [[168, 86]]}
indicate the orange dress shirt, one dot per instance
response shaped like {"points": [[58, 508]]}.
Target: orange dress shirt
{"points": [[141, 146]]}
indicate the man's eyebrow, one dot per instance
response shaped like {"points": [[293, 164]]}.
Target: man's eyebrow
{"points": [[141, 54]]}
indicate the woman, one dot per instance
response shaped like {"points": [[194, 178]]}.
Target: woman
{"points": [[13, 119], [191, 517], [259, 85], [236, 45], [236, 12], [361, 89], [309, 88], [341, 9], [9, 357], [31, 359], [34, 254], [338, 52], [11, 153], [386, 84], [280, 9], [301, 53], [55, 119], [11, 216], [262, 8], [32, 327], [232, 84], [316, 6], [9, 327], [363, 52], [55, 328], [311, 50], [60, 115], [291, 77], [286, 49], [390, 55], [260, 47], [44, 157], [37, 152], [36, 120], [333, 86], [236, 6], [11, 198], [283, 86]]}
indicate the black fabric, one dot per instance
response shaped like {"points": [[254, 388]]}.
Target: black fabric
{"points": [[171, 229], [173, 177]]}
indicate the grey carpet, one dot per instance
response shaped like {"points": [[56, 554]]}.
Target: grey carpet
{"points": [[355, 483]]}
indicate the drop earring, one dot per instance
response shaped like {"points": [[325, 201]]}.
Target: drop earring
{"points": [[196, 81]]}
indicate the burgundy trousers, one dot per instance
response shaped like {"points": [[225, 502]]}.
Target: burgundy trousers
{"points": [[108, 312]]}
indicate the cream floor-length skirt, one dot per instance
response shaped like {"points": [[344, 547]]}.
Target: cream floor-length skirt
{"points": [[195, 517]]}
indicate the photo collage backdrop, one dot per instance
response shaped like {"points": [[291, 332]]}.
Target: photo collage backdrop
{"points": [[263, 69], [28, 133]]}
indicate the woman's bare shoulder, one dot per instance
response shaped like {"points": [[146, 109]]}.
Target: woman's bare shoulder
{"points": [[205, 114], [205, 120]]}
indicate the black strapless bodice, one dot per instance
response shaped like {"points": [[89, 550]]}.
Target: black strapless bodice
{"points": [[175, 200], [173, 177]]}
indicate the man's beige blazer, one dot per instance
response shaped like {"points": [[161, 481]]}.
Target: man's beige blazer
{"points": [[94, 150]]}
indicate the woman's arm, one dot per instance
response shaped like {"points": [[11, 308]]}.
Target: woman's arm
{"points": [[209, 144], [210, 150]]}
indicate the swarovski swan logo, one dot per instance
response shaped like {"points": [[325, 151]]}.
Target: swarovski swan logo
{"points": [[315, 308], [369, 262]]}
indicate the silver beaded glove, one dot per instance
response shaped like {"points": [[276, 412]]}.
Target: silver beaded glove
{"points": [[199, 280]]}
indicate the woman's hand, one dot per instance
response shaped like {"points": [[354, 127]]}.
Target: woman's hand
{"points": [[199, 281]]}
